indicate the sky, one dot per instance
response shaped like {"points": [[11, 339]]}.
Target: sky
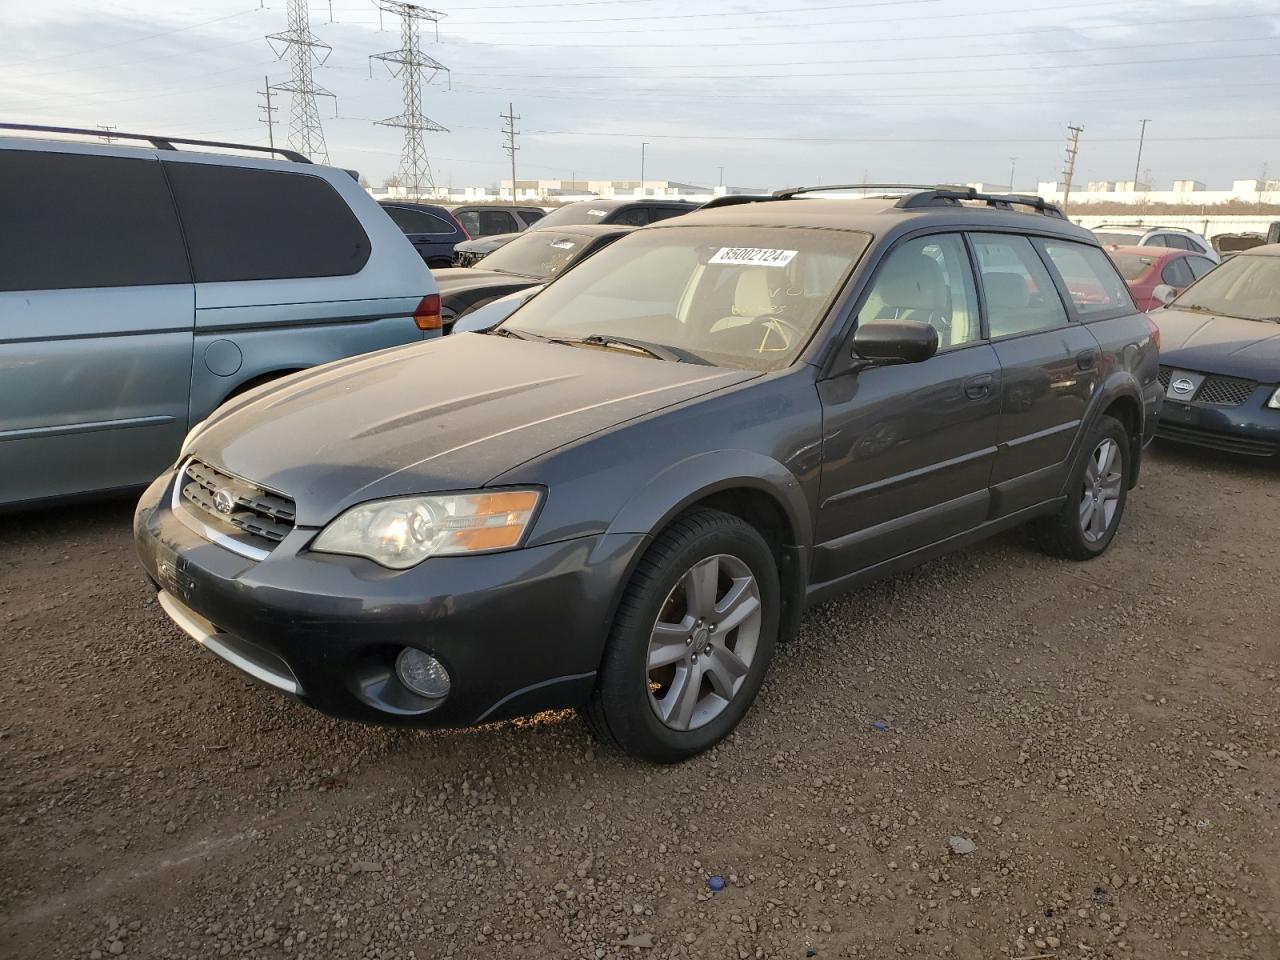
{"points": [[776, 93]]}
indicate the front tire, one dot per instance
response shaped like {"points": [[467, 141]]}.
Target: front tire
{"points": [[691, 641], [1096, 495]]}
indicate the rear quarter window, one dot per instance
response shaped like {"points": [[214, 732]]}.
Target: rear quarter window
{"points": [[72, 221], [1091, 279], [249, 224]]}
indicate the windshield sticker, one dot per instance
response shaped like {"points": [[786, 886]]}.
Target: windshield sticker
{"points": [[596, 213], [754, 255], [564, 244]]}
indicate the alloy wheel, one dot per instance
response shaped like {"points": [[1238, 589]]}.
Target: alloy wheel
{"points": [[703, 642], [1103, 477]]}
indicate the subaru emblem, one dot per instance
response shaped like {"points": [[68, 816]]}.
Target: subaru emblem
{"points": [[1183, 385], [224, 500]]}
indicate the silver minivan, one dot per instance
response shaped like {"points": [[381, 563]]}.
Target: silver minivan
{"points": [[143, 286]]}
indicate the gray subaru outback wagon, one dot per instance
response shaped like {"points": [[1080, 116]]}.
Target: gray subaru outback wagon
{"points": [[141, 286], [625, 495]]}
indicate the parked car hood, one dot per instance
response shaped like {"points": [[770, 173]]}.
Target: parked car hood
{"points": [[486, 244], [457, 279], [1211, 343], [448, 414]]}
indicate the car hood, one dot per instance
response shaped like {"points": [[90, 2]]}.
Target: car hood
{"points": [[1209, 343], [486, 244], [449, 414], [457, 280]]}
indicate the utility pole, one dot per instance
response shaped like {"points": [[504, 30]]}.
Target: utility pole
{"points": [[1013, 165], [408, 63], [305, 50], [1073, 148], [722, 176], [106, 137], [268, 112], [642, 146], [511, 133], [1142, 136]]}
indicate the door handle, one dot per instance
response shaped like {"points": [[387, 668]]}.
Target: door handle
{"points": [[976, 388], [1086, 359]]}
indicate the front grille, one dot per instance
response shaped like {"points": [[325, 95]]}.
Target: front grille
{"points": [[1214, 390], [1217, 441], [240, 507], [1225, 391]]}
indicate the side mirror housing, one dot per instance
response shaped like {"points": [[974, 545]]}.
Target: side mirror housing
{"points": [[895, 341], [1164, 293]]}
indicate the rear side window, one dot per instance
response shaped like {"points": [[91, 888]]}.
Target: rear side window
{"points": [[419, 221], [631, 217], [72, 220], [664, 213], [1200, 266], [246, 224], [1091, 278], [532, 216], [1020, 293], [1176, 273]]}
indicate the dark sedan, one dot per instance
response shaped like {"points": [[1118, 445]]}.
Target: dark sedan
{"points": [[626, 213], [530, 259], [1220, 357]]}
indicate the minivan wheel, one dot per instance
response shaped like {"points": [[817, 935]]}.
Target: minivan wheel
{"points": [[691, 641], [1096, 495]]}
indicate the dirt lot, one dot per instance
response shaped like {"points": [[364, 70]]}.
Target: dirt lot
{"points": [[1105, 735]]}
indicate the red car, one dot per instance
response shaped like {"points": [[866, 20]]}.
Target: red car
{"points": [[1146, 268]]}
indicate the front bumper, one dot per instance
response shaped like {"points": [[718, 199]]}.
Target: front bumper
{"points": [[519, 632], [1251, 429]]}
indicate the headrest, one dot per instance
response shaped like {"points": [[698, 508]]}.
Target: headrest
{"points": [[751, 296], [1006, 291], [913, 283]]}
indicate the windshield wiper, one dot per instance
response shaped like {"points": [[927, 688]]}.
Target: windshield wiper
{"points": [[608, 340], [516, 333]]}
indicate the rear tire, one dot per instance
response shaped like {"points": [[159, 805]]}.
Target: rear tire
{"points": [[691, 641], [1096, 496]]}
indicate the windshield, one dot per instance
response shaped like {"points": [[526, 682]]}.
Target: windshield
{"points": [[746, 297], [539, 253], [1132, 265], [1115, 238], [576, 214], [1244, 286]]}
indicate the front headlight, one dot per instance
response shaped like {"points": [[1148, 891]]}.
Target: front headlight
{"points": [[401, 533], [1274, 402]]}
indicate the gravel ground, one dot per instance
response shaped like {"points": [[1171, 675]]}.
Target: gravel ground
{"points": [[1100, 738]]}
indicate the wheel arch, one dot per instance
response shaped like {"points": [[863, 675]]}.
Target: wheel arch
{"points": [[1123, 402], [755, 488]]}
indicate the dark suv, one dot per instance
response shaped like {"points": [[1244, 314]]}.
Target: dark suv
{"points": [[624, 497], [432, 229]]}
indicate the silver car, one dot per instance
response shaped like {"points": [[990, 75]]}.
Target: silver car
{"points": [[142, 286]]}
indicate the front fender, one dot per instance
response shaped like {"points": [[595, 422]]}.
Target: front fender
{"points": [[703, 474]]}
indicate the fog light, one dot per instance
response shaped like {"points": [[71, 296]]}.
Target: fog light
{"points": [[422, 673]]}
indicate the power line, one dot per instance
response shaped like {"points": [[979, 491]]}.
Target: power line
{"points": [[717, 138], [862, 21], [305, 50], [896, 59], [408, 63], [719, 15]]}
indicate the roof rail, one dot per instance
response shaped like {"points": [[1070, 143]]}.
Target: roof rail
{"points": [[790, 192], [1146, 226], [159, 142], [1001, 201], [734, 199]]}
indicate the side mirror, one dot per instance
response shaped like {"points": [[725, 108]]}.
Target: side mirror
{"points": [[1164, 293], [895, 341]]}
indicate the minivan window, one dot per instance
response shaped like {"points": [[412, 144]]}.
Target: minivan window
{"points": [[77, 220], [745, 297], [248, 224], [1092, 281], [1020, 294]]}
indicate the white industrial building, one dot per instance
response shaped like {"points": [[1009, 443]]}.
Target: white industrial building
{"points": [[563, 191]]}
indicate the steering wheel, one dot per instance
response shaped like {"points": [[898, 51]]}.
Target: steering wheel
{"points": [[767, 320]]}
